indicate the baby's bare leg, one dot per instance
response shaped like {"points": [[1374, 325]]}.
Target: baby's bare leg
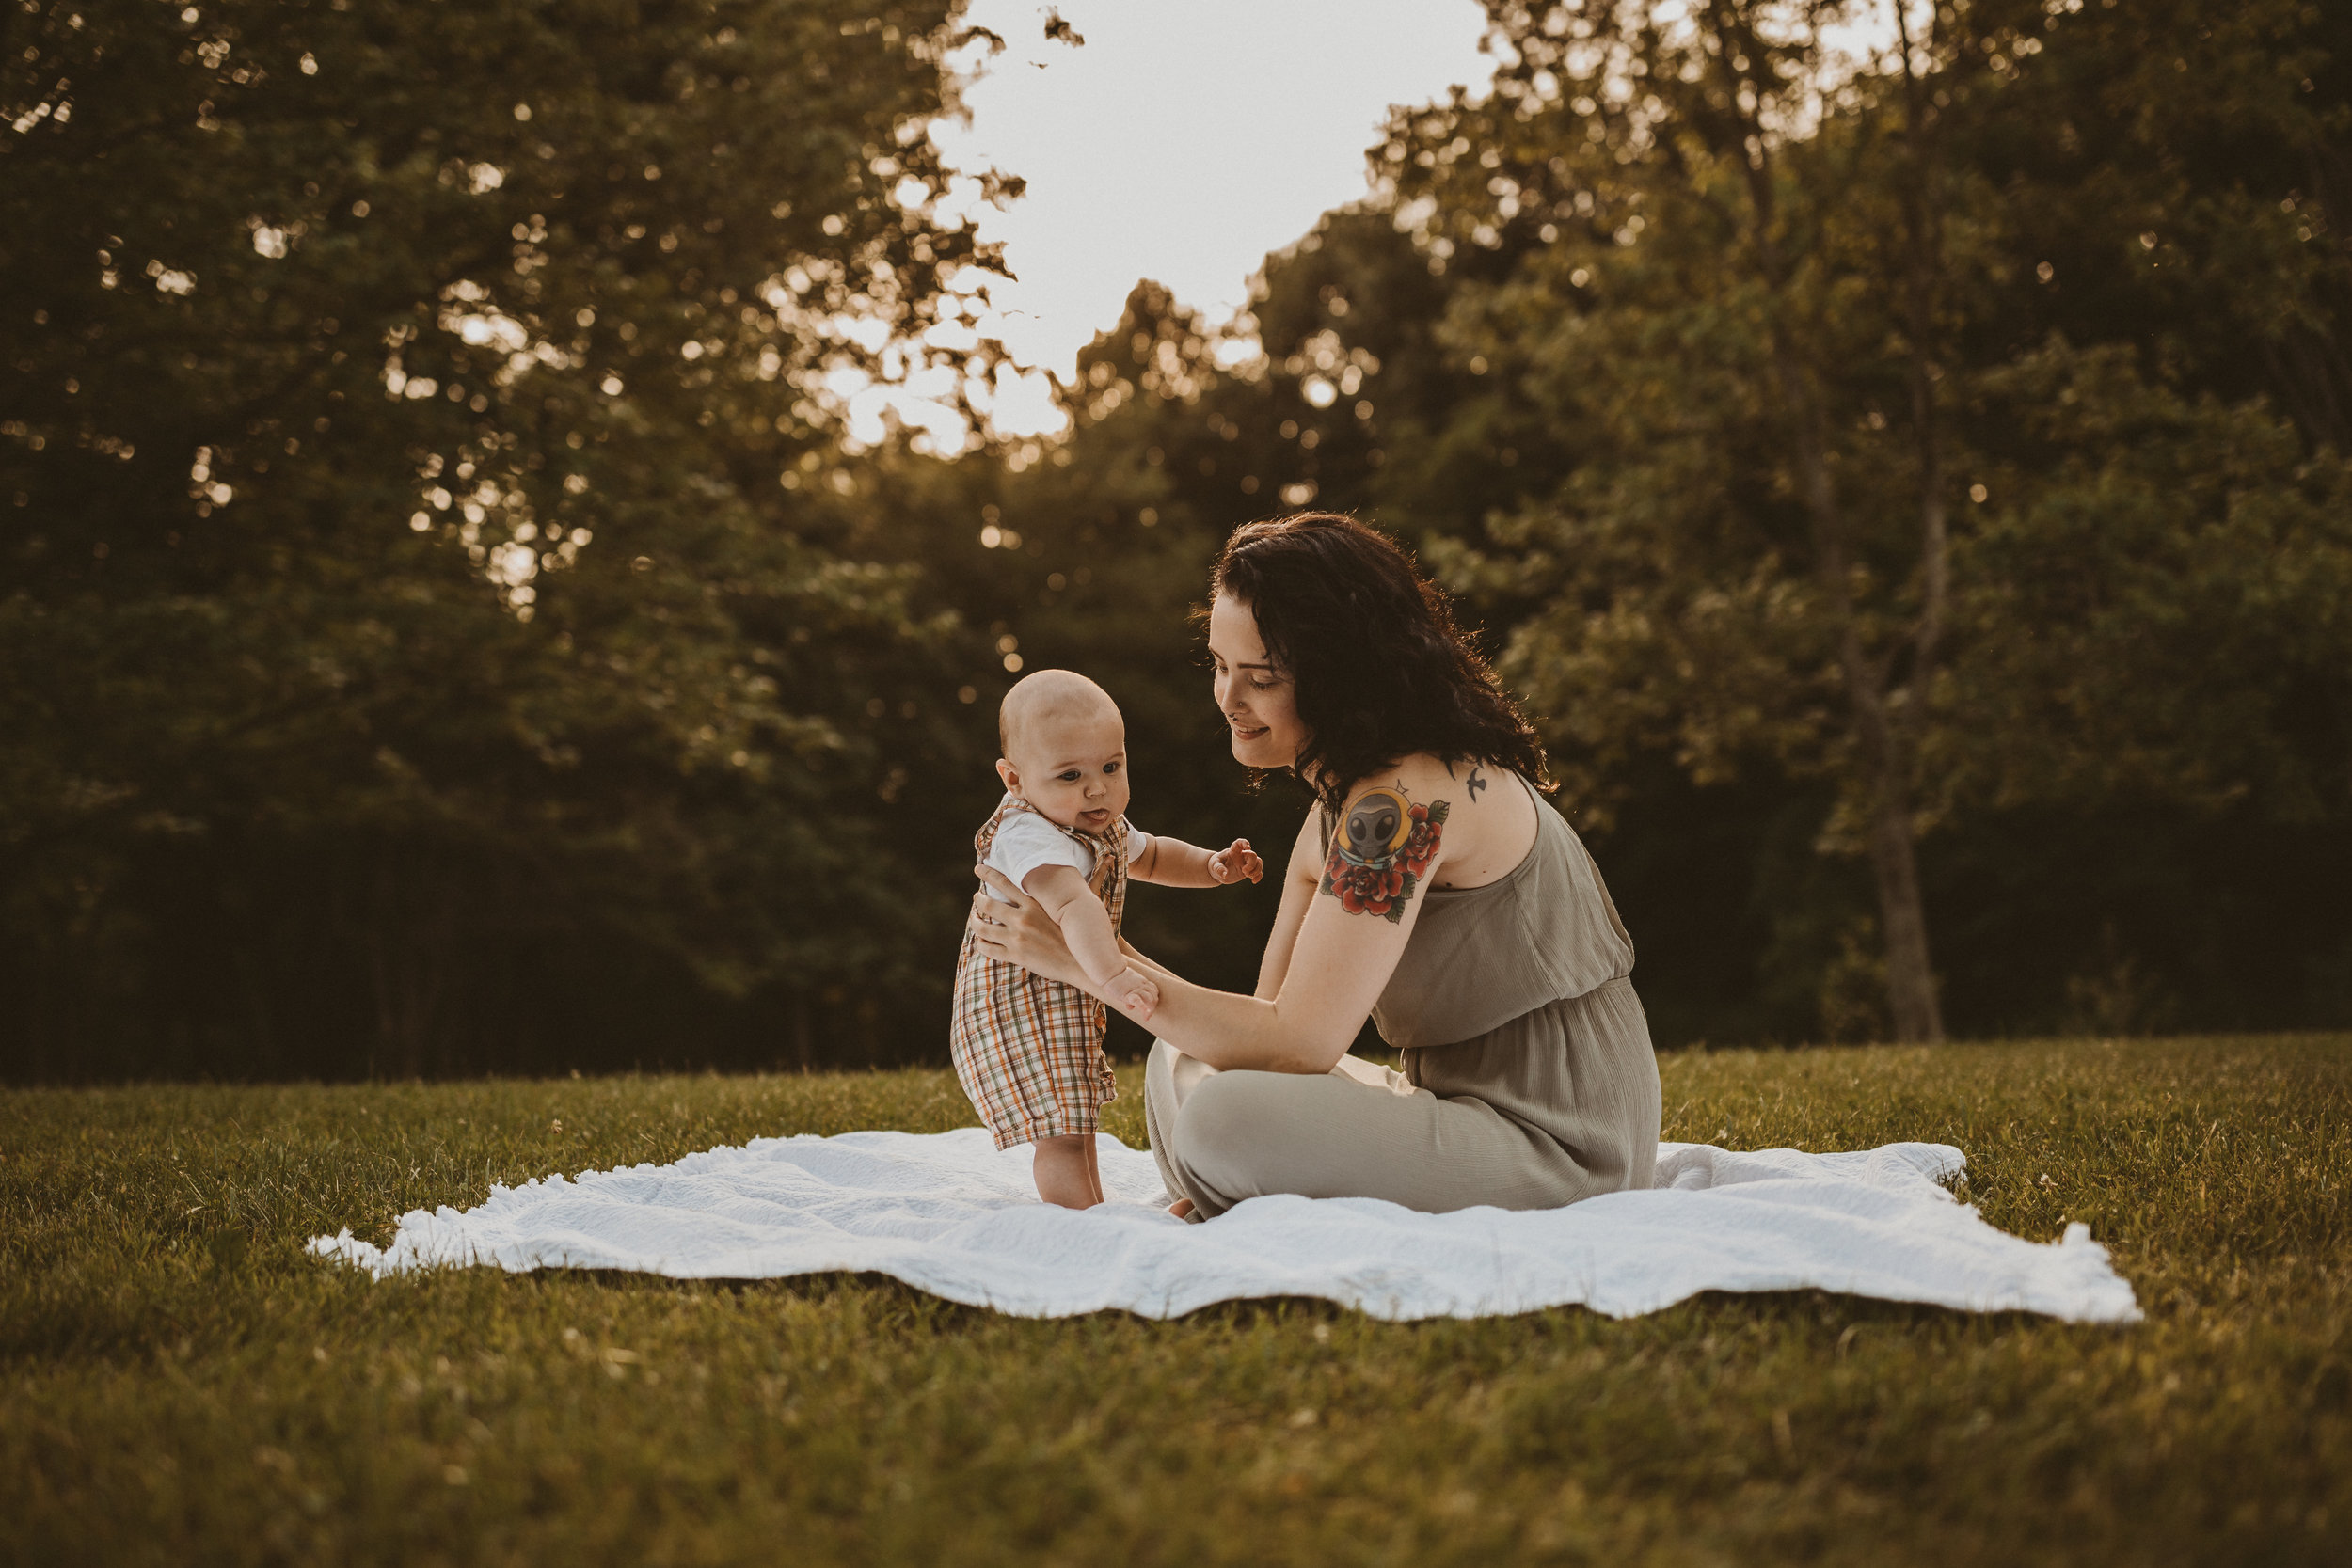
{"points": [[1094, 1171], [1064, 1170]]}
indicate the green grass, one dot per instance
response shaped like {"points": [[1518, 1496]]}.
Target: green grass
{"points": [[179, 1383]]}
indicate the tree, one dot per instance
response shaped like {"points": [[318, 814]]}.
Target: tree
{"points": [[1771, 256], [407, 452], [1764, 308]]}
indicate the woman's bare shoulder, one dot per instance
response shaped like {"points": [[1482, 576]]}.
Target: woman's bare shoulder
{"points": [[1485, 819], [1425, 780], [1388, 803]]}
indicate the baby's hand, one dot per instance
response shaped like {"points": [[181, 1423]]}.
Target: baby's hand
{"points": [[1236, 862], [1132, 994]]}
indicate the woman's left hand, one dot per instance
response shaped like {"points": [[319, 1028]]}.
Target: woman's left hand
{"points": [[1016, 928]]}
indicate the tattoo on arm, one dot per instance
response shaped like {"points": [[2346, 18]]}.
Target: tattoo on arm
{"points": [[1382, 851]]}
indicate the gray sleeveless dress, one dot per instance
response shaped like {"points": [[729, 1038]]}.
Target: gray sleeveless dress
{"points": [[1529, 1080]]}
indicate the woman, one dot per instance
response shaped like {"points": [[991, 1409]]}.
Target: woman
{"points": [[1432, 892]]}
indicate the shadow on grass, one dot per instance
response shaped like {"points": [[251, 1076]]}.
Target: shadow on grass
{"points": [[1799, 1309]]}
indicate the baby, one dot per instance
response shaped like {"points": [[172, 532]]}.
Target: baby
{"points": [[1028, 1050]]}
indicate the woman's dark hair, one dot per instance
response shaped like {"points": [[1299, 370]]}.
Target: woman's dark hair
{"points": [[1370, 644]]}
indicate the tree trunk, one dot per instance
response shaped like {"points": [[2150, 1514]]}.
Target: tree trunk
{"points": [[1910, 978], [410, 934], [1887, 731], [1904, 922]]}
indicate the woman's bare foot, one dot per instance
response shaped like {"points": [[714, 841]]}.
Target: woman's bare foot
{"points": [[1181, 1207]]}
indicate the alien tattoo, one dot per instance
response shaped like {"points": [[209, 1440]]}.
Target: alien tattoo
{"points": [[1382, 851]]}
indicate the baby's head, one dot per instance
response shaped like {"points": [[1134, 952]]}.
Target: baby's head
{"points": [[1065, 749]]}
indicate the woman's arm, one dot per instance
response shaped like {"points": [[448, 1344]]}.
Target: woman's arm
{"points": [[1388, 846], [1336, 975], [1015, 927], [1358, 916], [1299, 880], [1008, 927]]}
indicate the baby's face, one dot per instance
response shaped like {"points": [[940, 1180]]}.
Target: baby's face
{"points": [[1073, 768]]}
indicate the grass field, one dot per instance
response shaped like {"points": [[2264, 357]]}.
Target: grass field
{"points": [[179, 1384]]}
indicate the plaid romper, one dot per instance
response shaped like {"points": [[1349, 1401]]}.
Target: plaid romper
{"points": [[1028, 1050]]}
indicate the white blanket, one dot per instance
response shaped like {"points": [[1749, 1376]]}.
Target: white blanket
{"points": [[949, 1214]]}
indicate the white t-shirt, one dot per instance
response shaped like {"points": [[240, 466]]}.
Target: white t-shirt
{"points": [[1026, 840]]}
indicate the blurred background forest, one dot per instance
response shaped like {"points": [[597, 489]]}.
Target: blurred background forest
{"points": [[444, 630]]}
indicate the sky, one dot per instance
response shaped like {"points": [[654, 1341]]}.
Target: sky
{"points": [[1182, 142]]}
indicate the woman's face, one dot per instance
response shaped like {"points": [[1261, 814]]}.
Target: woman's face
{"points": [[1260, 702]]}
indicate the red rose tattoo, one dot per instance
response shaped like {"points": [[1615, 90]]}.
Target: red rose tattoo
{"points": [[1422, 846], [1383, 848]]}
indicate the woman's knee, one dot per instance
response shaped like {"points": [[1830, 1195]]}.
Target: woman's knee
{"points": [[1230, 1119], [1170, 1077]]}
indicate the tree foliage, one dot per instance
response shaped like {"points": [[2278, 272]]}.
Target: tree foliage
{"points": [[1822, 440], [409, 581], [443, 627]]}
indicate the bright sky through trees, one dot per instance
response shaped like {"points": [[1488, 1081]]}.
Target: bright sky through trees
{"points": [[1180, 142]]}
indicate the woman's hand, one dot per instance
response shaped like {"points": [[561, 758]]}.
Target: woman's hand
{"points": [[1021, 933]]}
